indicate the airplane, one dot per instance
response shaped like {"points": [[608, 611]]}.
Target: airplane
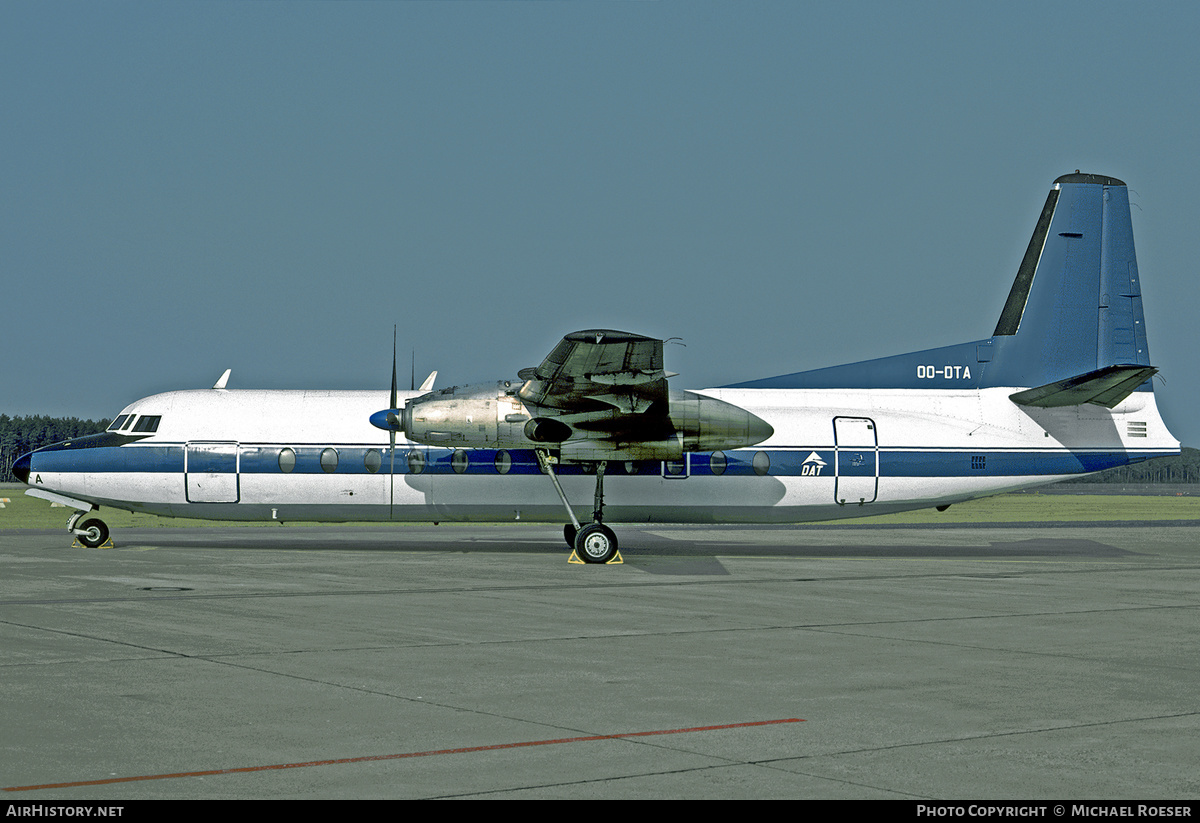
{"points": [[1061, 388]]}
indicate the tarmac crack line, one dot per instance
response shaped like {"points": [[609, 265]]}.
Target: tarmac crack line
{"points": [[1027, 570], [829, 628], [989, 736], [730, 763], [977, 647]]}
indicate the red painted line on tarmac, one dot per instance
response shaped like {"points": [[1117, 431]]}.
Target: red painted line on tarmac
{"points": [[378, 757]]}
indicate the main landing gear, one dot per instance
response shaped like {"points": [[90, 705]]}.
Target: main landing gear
{"points": [[595, 542], [92, 533]]}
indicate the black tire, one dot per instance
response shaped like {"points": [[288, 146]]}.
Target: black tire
{"points": [[92, 533], [596, 543], [569, 534]]}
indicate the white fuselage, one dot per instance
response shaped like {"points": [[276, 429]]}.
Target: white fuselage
{"points": [[833, 454]]}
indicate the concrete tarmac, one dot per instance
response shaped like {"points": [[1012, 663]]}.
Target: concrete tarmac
{"points": [[1047, 662]]}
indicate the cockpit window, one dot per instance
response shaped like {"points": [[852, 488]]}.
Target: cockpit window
{"points": [[116, 424], [148, 423], [129, 422]]}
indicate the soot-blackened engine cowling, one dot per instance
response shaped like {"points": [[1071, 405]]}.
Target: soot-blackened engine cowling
{"points": [[493, 416]]}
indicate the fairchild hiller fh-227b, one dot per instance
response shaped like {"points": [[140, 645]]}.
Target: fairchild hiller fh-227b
{"points": [[1062, 387]]}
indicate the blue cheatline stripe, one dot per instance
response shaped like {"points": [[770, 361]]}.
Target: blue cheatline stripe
{"points": [[791, 462]]}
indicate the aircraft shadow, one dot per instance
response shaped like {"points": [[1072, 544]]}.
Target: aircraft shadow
{"points": [[638, 545]]}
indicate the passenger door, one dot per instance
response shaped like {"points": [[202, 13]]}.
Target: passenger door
{"points": [[856, 464], [211, 472]]}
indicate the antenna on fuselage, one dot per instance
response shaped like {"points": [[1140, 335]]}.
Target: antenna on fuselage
{"points": [[220, 384]]}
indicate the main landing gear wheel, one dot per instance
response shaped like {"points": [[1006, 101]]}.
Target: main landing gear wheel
{"points": [[596, 543], [92, 533]]}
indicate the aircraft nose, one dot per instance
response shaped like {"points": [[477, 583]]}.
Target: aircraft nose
{"points": [[21, 467]]}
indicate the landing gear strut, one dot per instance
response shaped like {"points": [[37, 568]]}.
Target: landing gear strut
{"points": [[595, 542]]}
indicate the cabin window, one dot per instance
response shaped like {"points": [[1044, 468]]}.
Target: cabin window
{"points": [[329, 460], [674, 467], [148, 423], [503, 462], [372, 460], [416, 462], [717, 463], [287, 460], [116, 424], [458, 461], [762, 463]]}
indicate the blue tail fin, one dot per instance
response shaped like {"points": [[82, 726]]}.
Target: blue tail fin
{"points": [[1075, 309], [1076, 305]]}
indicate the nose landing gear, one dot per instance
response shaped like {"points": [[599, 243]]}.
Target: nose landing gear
{"points": [[92, 533]]}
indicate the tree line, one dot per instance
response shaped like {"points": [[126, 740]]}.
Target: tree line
{"points": [[19, 435], [1180, 468]]}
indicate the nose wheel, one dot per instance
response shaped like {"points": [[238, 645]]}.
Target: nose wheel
{"points": [[91, 533]]}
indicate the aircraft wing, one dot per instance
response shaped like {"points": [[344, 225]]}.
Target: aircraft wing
{"points": [[599, 395], [600, 370]]}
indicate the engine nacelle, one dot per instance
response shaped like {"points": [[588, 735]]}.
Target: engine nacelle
{"points": [[708, 425], [493, 416], [486, 415], [697, 424]]}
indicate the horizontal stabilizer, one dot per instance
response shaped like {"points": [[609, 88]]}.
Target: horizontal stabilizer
{"points": [[1105, 387]]}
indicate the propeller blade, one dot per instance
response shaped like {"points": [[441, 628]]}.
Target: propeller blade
{"points": [[393, 400], [392, 432], [389, 418]]}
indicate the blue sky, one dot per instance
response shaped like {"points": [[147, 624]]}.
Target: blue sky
{"points": [[188, 187]]}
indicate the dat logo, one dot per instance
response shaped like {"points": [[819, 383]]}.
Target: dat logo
{"points": [[812, 465]]}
